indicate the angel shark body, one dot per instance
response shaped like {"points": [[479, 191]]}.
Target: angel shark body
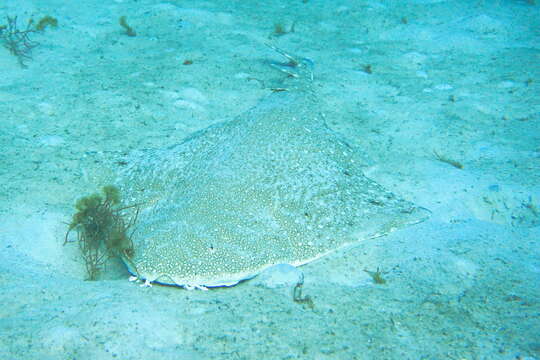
{"points": [[274, 185]]}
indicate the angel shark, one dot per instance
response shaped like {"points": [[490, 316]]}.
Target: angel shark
{"points": [[273, 185]]}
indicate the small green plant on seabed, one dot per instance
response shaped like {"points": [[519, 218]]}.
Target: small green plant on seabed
{"points": [[103, 228], [376, 276], [17, 40]]}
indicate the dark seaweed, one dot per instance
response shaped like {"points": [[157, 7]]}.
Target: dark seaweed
{"points": [[18, 41], [102, 229]]}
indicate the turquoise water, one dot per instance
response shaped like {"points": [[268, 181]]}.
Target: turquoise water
{"points": [[440, 99]]}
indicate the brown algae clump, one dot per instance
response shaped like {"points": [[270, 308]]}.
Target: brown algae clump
{"points": [[102, 229]]}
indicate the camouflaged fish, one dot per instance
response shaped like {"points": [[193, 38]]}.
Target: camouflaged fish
{"points": [[273, 185]]}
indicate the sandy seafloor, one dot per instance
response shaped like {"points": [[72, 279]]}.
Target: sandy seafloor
{"points": [[459, 78]]}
